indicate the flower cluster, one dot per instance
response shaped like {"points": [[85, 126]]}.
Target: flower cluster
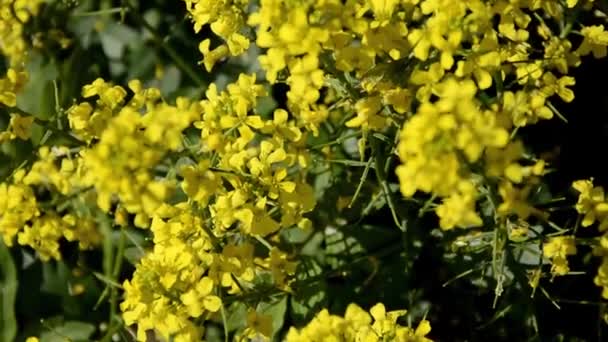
{"points": [[43, 228], [170, 285], [593, 205], [359, 325], [241, 182], [13, 16], [19, 127], [457, 129], [439, 86], [452, 55], [227, 20], [557, 249]]}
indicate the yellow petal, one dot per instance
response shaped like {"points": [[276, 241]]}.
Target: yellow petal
{"points": [[515, 173], [588, 219], [212, 303], [423, 328], [255, 121], [378, 312], [205, 286]]}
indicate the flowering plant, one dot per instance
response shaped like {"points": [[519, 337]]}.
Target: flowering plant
{"points": [[293, 169]]}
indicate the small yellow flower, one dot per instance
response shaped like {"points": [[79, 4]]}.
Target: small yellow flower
{"points": [[595, 41], [383, 9], [258, 324], [368, 110], [557, 249], [21, 126], [211, 57]]}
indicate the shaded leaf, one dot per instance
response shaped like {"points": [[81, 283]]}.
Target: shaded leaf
{"points": [[8, 293], [72, 331], [276, 310]]}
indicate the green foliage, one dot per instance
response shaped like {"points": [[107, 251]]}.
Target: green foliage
{"points": [[367, 244], [8, 294]]}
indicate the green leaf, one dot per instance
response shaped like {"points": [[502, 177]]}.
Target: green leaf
{"points": [[237, 316], [72, 331], [83, 29], [309, 298], [296, 234], [340, 244], [133, 255], [314, 247], [171, 80], [265, 106], [8, 295], [56, 277], [276, 310], [115, 38], [141, 63], [530, 254], [321, 183], [356, 239], [37, 98]]}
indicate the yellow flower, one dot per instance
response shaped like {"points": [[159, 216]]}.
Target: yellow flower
{"points": [[18, 205], [109, 96], [557, 249], [357, 316], [526, 108], [419, 40], [595, 41], [384, 322], [226, 19], [79, 116], [367, 110], [258, 324], [199, 182], [559, 87], [200, 298], [211, 57], [10, 85], [514, 200], [273, 62], [305, 80], [592, 203], [356, 325], [458, 210], [354, 58], [383, 9], [280, 267], [21, 126], [447, 46]]}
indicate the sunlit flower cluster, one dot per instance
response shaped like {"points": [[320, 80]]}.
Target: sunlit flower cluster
{"points": [[438, 87], [359, 325]]}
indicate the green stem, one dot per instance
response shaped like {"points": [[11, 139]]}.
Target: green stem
{"points": [[58, 132], [263, 242], [101, 12], [225, 322], [557, 112], [346, 162], [361, 181], [108, 258], [381, 177], [46, 124], [120, 252], [338, 140], [115, 324]]}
